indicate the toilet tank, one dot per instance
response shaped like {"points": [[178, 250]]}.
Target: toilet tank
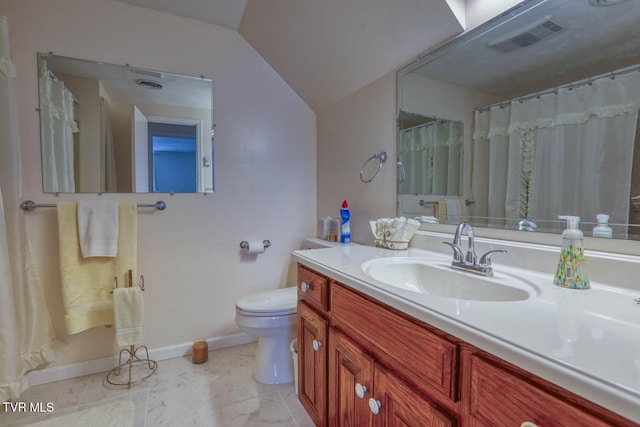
{"points": [[315, 243]]}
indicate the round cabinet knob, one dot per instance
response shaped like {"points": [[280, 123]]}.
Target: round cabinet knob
{"points": [[528, 424], [360, 390], [374, 406], [316, 345], [304, 286]]}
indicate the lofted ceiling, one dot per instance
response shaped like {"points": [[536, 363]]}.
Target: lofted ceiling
{"points": [[326, 50]]}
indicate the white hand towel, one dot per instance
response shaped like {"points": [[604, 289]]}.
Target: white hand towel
{"points": [[454, 210], [98, 228], [128, 311]]}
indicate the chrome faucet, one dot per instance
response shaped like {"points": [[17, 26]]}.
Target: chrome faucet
{"points": [[470, 262]]}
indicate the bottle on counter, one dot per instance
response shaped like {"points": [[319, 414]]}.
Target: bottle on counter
{"points": [[602, 229], [345, 229], [571, 272]]}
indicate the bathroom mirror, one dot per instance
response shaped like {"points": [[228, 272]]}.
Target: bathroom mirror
{"points": [[122, 129], [537, 50]]}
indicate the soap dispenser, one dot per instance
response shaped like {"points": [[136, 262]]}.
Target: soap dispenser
{"points": [[602, 229], [571, 273]]}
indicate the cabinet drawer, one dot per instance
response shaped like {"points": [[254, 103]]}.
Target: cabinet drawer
{"points": [[429, 360], [498, 397], [313, 288]]}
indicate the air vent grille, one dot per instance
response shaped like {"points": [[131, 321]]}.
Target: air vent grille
{"points": [[149, 84], [527, 38]]}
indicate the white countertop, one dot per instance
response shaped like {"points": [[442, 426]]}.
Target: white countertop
{"points": [[587, 341]]}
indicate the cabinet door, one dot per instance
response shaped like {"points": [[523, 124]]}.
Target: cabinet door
{"points": [[312, 363], [350, 382], [397, 404]]}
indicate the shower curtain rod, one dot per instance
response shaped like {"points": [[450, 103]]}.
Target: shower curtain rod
{"points": [[30, 205], [56, 79], [431, 123], [611, 74]]}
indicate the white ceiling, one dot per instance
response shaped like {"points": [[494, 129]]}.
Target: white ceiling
{"points": [[328, 49]]}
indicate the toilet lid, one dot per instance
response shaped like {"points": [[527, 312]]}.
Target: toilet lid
{"points": [[281, 301]]}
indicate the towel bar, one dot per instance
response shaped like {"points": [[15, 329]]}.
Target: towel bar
{"points": [[30, 205]]}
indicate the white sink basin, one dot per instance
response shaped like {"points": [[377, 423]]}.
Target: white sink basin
{"points": [[436, 277]]}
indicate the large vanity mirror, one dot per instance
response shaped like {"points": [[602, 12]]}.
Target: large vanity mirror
{"points": [[115, 128], [548, 96]]}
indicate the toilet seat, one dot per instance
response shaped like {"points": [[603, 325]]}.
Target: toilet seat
{"points": [[275, 302]]}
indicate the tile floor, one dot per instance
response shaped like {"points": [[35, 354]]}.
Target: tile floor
{"points": [[218, 393]]}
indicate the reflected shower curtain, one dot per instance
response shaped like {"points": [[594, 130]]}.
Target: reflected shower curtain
{"points": [[568, 152], [108, 172], [27, 338], [490, 167], [428, 153], [57, 129], [416, 154]]}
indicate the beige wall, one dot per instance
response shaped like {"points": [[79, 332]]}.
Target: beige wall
{"points": [[265, 169], [349, 133]]}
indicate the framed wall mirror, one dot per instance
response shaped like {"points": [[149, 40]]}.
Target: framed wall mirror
{"points": [[121, 129], [548, 96]]}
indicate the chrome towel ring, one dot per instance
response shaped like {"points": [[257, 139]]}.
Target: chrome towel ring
{"points": [[381, 157]]}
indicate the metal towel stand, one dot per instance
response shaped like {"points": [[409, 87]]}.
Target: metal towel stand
{"points": [[132, 353]]}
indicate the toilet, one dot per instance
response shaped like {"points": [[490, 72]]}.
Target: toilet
{"points": [[270, 316]]}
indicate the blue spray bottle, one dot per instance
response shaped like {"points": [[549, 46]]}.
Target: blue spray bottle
{"points": [[345, 230]]}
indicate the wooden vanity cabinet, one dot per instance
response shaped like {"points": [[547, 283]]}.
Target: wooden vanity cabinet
{"points": [[373, 358]]}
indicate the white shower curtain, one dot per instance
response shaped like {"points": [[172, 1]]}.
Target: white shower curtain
{"points": [[57, 128], [568, 152], [27, 338]]}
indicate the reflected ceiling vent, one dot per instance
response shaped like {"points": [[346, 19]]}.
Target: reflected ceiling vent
{"points": [[604, 2], [527, 35], [149, 84]]}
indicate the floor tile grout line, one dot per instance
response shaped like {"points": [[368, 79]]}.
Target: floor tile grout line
{"points": [[284, 402]]}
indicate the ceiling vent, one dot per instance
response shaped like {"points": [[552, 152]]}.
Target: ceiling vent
{"points": [[526, 36], [149, 84]]}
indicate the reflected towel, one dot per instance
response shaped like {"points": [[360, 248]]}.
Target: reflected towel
{"points": [[454, 210], [98, 227], [128, 309], [86, 282], [440, 211]]}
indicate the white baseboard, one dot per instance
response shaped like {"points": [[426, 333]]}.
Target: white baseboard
{"points": [[95, 366]]}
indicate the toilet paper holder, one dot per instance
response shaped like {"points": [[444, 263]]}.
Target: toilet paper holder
{"points": [[245, 244]]}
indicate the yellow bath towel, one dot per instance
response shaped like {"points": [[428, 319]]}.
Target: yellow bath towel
{"points": [[87, 282]]}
